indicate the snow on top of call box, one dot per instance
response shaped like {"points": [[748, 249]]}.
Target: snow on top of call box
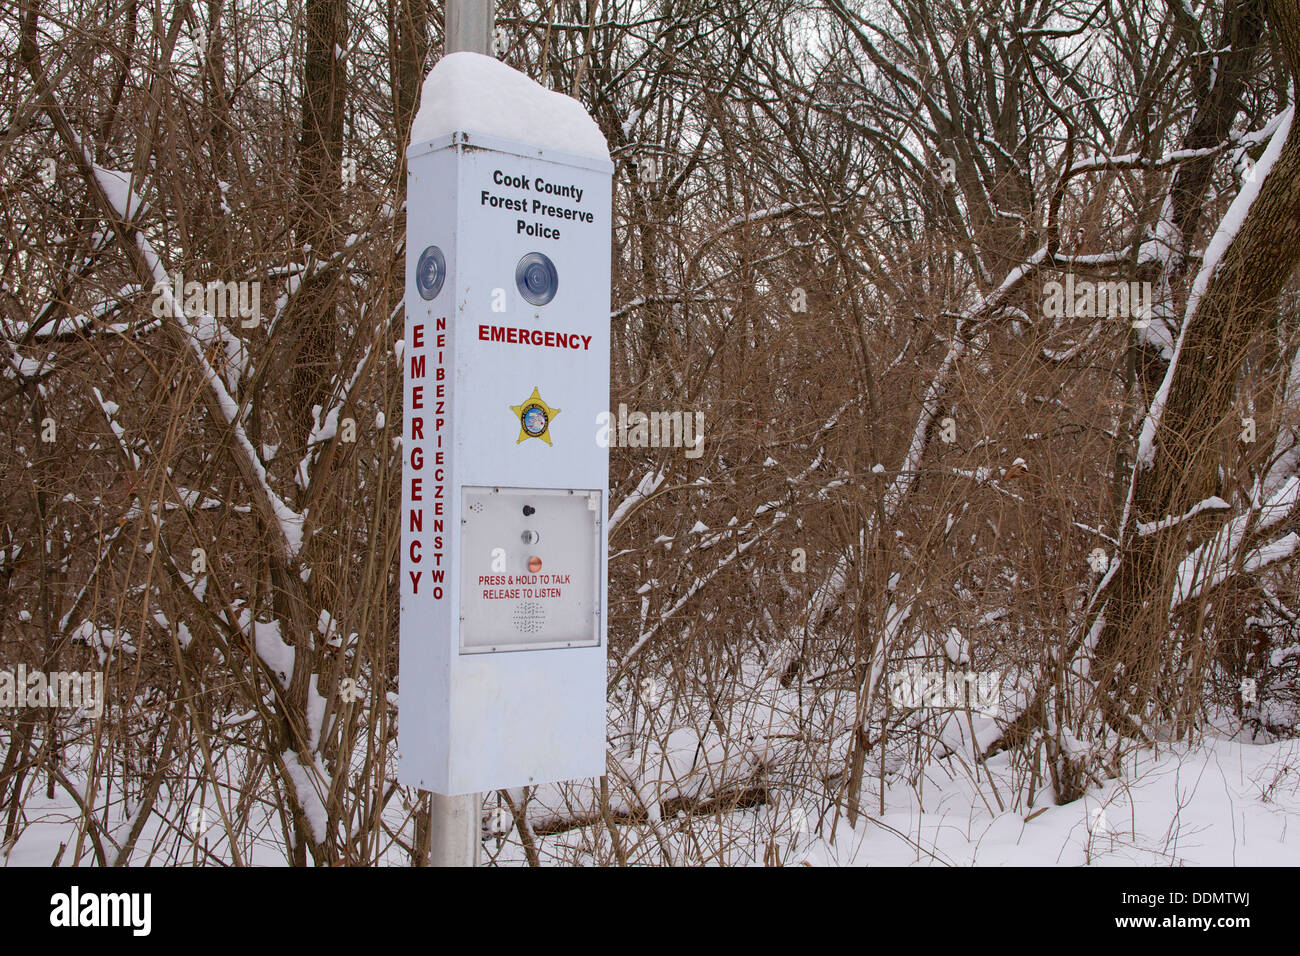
{"points": [[472, 93]]}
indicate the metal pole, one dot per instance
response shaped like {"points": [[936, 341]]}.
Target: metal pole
{"points": [[455, 825], [468, 26], [455, 821]]}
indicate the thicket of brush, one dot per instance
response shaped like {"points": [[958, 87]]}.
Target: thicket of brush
{"points": [[833, 226]]}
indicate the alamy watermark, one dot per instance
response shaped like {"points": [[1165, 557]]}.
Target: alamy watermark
{"points": [[651, 430], [132, 911], [1087, 299], [222, 300], [68, 690], [912, 687]]}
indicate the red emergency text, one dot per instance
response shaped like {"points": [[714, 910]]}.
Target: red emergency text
{"points": [[426, 418]]}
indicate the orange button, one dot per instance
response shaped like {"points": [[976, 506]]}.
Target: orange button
{"points": [[534, 564]]}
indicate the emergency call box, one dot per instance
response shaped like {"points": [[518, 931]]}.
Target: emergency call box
{"points": [[531, 575], [505, 484]]}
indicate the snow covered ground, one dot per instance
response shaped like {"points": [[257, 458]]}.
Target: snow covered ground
{"points": [[1220, 802]]}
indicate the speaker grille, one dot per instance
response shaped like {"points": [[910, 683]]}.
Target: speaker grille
{"points": [[529, 617]]}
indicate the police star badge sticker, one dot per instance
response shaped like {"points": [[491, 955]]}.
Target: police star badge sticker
{"points": [[534, 418]]}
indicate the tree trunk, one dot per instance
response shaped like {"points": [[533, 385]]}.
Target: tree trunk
{"points": [[1237, 305], [311, 326]]}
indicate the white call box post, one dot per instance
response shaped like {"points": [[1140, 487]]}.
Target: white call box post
{"points": [[504, 485]]}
